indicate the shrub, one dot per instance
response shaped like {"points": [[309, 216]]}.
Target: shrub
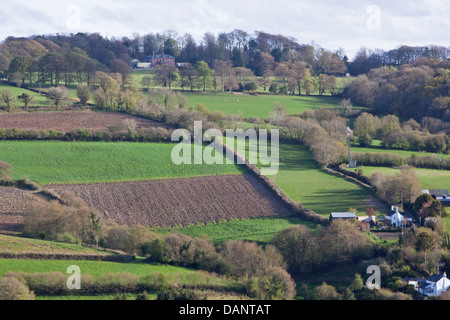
{"points": [[6, 172], [47, 283], [120, 239], [122, 282], [12, 288]]}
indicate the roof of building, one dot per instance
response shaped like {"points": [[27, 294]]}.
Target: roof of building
{"points": [[343, 215], [436, 277], [166, 56], [437, 192], [393, 212]]}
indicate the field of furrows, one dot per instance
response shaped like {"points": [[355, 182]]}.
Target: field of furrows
{"points": [[175, 202], [13, 204], [68, 121]]}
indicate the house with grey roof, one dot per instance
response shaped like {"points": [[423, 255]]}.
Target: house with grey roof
{"points": [[434, 285]]}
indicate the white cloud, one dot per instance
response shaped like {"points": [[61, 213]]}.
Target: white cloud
{"points": [[331, 24]]}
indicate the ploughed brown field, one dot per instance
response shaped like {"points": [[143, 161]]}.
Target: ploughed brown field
{"points": [[71, 120], [13, 204], [178, 201]]}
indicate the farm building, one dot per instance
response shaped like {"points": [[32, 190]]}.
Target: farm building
{"points": [[440, 194], [342, 216], [136, 64], [157, 60]]}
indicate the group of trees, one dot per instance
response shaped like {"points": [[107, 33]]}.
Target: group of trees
{"points": [[415, 90], [429, 135], [402, 188], [60, 59], [260, 51], [366, 59], [307, 251], [234, 56], [286, 78]]}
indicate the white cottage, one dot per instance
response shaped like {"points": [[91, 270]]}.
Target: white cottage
{"points": [[434, 285], [397, 219]]}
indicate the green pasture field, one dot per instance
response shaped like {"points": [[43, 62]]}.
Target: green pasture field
{"points": [[429, 178], [260, 230], [93, 268], [302, 179], [56, 162], [405, 153], [38, 100], [15, 244], [259, 106]]}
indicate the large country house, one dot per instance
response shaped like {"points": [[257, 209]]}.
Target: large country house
{"points": [[153, 61]]}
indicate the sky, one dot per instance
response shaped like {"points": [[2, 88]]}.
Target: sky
{"points": [[333, 25]]}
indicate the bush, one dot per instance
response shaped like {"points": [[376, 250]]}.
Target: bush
{"points": [[122, 282], [53, 220], [12, 288], [119, 238], [47, 283], [6, 172]]}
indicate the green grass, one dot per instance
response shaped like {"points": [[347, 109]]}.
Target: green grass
{"points": [[429, 178], [303, 180], [55, 162], [261, 230], [38, 100], [405, 153], [93, 268], [259, 106], [17, 244]]}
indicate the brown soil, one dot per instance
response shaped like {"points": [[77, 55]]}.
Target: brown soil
{"points": [[13, 204], [178, 201], [68, 121]]}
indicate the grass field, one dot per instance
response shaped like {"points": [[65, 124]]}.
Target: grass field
{"points": [[38, 100], [302, 179], [429, 178], [405, 153], [260, 230], [21, 245], [93, 268], [53, 162], [259, 106]]}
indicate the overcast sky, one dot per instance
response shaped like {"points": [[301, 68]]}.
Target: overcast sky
{"points": [[346, 24]]}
